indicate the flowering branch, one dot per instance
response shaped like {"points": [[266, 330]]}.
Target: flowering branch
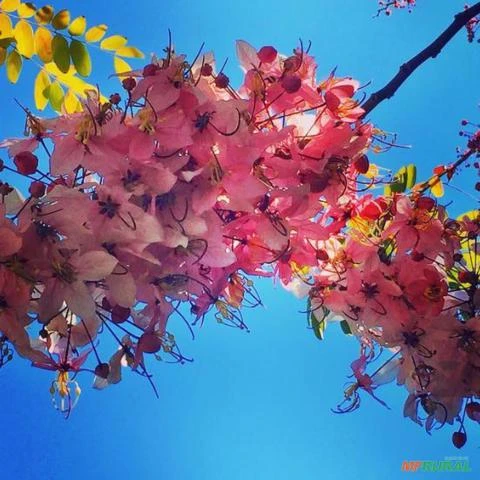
{"points": [[388, 91]]}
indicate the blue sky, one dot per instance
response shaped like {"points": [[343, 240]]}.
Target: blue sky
{"points": [[257, 405]]}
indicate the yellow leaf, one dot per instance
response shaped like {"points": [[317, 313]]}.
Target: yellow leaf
{"points": [[71, 81], [61, 53], [55, 95], [130, 52], [26, 10], [3, 55], [81, 58], [121, 66], [42, 82], [23, 34], [14, 66], [71, 104], [43, 44], [9, 5], [436, 187], [471, 215], [44, 14], [78, 26], [96, 33], [6, 29], [61, 20], [113, 43]]}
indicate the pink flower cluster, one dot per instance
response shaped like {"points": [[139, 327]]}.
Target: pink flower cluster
{"points": [[179, 194], [170, 200], [406, 279]]}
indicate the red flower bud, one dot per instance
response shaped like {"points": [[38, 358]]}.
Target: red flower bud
{"points": [[37, 189], [222, 81], [26, 163], [473, 411], [459, 439], [120, 314], [150, 70], [206, 70], [267, 54], [149, 343], [102, 370], [115, 99], [361, 164], [291, 83], [129, 84]]}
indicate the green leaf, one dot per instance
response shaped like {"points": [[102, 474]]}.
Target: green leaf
{"points": [[411, 175], [385, 250], [14, 66], [55, 94], [345, 327], [61, 53], [318, 320], [81, 58], [42, 82]]}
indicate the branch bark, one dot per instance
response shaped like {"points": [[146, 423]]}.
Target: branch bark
{"points": [[389, 90]]}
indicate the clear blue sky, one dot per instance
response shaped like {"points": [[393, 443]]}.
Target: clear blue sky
{"points": [[254, 406]]}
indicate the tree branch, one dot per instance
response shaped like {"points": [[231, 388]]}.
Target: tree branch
{"points": [[460, 20]]}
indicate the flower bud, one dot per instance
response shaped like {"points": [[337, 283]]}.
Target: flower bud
{"points": [[129, 84], [291, 83], [267, 54], [37, 189], [222, 81], [459, 439], [26, 163]]}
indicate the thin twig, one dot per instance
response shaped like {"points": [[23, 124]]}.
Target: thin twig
{"points": [[460, 20]]}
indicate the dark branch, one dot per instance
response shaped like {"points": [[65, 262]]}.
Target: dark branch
{"points": [[460, 20]]}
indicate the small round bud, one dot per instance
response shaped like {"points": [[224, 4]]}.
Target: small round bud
{"points": [[473, 411], [26, 162], [102, 370], [120, 314], [129, 84], [115, 99], [150, 343], [459, 439], [362, 164], [267, 54], [291, 83], [37, 189], [150, 70], [222, 81], [206, 70]]}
